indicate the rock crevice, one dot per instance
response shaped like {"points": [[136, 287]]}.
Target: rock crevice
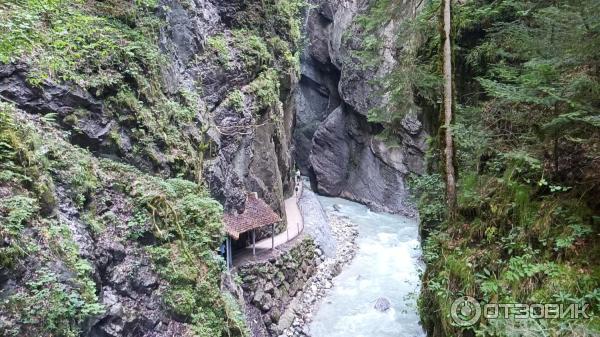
{"points": [[335, 144]]}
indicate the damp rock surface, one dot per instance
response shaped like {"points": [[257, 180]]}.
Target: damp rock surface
{"points": [[335, 143]]}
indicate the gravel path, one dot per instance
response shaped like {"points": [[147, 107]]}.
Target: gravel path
{"points": [[295, 226]]}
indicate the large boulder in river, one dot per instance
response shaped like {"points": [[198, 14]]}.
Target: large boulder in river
{"points": [[382, 304], [349, 161], [316, 223]]}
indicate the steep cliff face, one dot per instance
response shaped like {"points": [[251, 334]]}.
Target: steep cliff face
{"points": [[335, 144], [211, 49], [120, 123], [248, 141]]}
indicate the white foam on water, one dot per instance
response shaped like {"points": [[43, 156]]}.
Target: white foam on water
{"points": [[386, 265]]}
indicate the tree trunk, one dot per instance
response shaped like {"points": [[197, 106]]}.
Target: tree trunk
{"points": [[449, 144]]}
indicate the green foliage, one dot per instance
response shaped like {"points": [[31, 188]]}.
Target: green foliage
{"points": [[50, 305], [521, 267], [19, 162], [109, 51], [470, 138], [180, 214], [266, 89], [537, 60], [526, 130], [574, 232], [235, 100], [15, 212], [377, 15], [285, 15], [233, 312], [159, 122], [274, 19], [370, 23], [77, 169], [415, 79], [253, 50], [7, 136], [281, 50], [218, 45], [181, 300], [188, 224], [137, 224], [70, 43], [431, 248], [27, 188], [264, 43], [429, 190], [46, 305], [18, 210]]}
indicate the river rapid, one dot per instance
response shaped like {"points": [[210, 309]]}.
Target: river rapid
{"points": [[387, 264]]}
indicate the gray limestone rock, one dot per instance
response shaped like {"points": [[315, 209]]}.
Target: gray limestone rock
{"points": [[316, 223], [330, 154], [382, 304], [335, 145]]}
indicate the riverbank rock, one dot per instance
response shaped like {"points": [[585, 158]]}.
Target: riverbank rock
{"points": [[316, 223]]}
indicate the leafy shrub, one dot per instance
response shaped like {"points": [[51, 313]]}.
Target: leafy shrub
{"points": [[235, 100], [266, 89], [253, 50], [49, 305], [15, 212], [429, 190], [76, 46], [218, 45]]}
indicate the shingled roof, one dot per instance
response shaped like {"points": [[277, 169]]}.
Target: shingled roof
{"points": [[256, 214]]}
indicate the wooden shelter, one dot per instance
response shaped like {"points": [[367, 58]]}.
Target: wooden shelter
{"points": [[256, 214]]}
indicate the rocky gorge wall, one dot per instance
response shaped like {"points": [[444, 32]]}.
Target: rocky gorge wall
{"points": [[120, 124], [251, 136], [235, 146], [335, 144]]}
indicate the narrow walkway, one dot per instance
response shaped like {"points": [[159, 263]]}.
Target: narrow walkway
{"points": [[295, 225]]}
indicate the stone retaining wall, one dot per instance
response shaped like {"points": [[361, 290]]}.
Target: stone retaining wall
{"points": [[271, 284]]}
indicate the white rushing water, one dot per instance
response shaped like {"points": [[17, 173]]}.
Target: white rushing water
{"points": [[386, 265]]}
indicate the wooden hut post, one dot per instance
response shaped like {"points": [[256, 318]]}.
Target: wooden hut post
{"points": [[254, 242], [228, 252], [272, 236]]}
